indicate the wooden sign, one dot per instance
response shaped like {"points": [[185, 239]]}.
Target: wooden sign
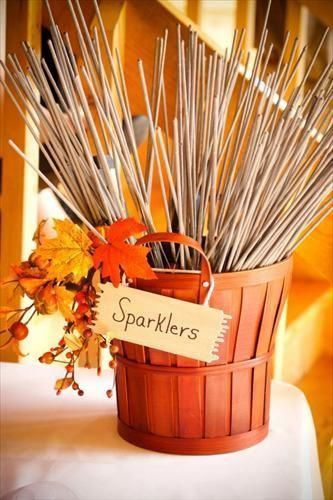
{"points": [[160, 322]]}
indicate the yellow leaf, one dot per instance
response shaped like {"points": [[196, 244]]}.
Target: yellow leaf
{"points": [[72, 341], [8, 313], [63, 383], [64, 300], [69, 252], [31, 285], [4, 311], [39, 235]]}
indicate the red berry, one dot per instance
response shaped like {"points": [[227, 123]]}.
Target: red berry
{"points": [[87, 333], [103, 344], [80, 392], [114, 349], [82, 309], [47, 358], [62, 342], [75, 386], [109, 393], [70, 368], [19, 330], [68, 355], [113, 363], [80, 297]]}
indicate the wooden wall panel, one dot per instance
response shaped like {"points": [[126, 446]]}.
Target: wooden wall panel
{"points": [[19, 182]]}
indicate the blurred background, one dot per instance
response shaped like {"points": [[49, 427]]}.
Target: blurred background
{"points": [[304, 350]]}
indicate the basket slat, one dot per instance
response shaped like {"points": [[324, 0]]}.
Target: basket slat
{"points": [[161, 416], [140, 354], [190, 408], [235, 312], [130, 350], [268, 390], [218, 405], [286, 287], [273, 299], [253, 301], [137, 399], [122, 394]]}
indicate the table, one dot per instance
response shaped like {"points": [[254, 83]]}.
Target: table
{"points": [[73, 441]]}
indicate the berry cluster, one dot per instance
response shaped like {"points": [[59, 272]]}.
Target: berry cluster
{"points": [[78, 303], [71, 347]]}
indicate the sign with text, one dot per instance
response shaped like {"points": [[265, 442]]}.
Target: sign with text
{"points": [[161, 322]]}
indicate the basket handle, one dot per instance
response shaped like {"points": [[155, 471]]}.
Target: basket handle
{"points": [[206, 280]]}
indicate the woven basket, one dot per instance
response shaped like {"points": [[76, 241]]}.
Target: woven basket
{"points": [[174, 404]]}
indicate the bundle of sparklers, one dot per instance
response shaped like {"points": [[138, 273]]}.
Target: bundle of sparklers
{"points": [[240, 169]]}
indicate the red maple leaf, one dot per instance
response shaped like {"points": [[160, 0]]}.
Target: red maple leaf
{"points": [[117, 255]]}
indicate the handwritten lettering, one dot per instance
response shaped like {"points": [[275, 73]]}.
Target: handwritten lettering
{"points": [[160, 324]]}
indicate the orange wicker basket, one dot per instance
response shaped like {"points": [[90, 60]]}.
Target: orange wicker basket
{"points": [[174, 404]]}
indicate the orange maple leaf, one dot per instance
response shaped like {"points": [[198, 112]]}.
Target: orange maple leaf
{"points": [[117, 254], [29, 277], [31, 285]]}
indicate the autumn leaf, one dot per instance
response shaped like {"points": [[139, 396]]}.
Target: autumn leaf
{"points": [[39, 235], [63, 383], [65, 300], [68, 253], [124, 228], [29, 277], [31, 285], [72, 341], [45, 300], [26, 270], [80, 325], [53, 297], [120, 230], [4, 311], [8, 313], [17, 350], [117, 254]]}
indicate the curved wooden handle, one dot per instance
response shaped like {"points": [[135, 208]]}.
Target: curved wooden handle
{"points": [[206, 272]]}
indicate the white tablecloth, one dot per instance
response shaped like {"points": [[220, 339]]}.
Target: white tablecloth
{"points": [[72, 441]]}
